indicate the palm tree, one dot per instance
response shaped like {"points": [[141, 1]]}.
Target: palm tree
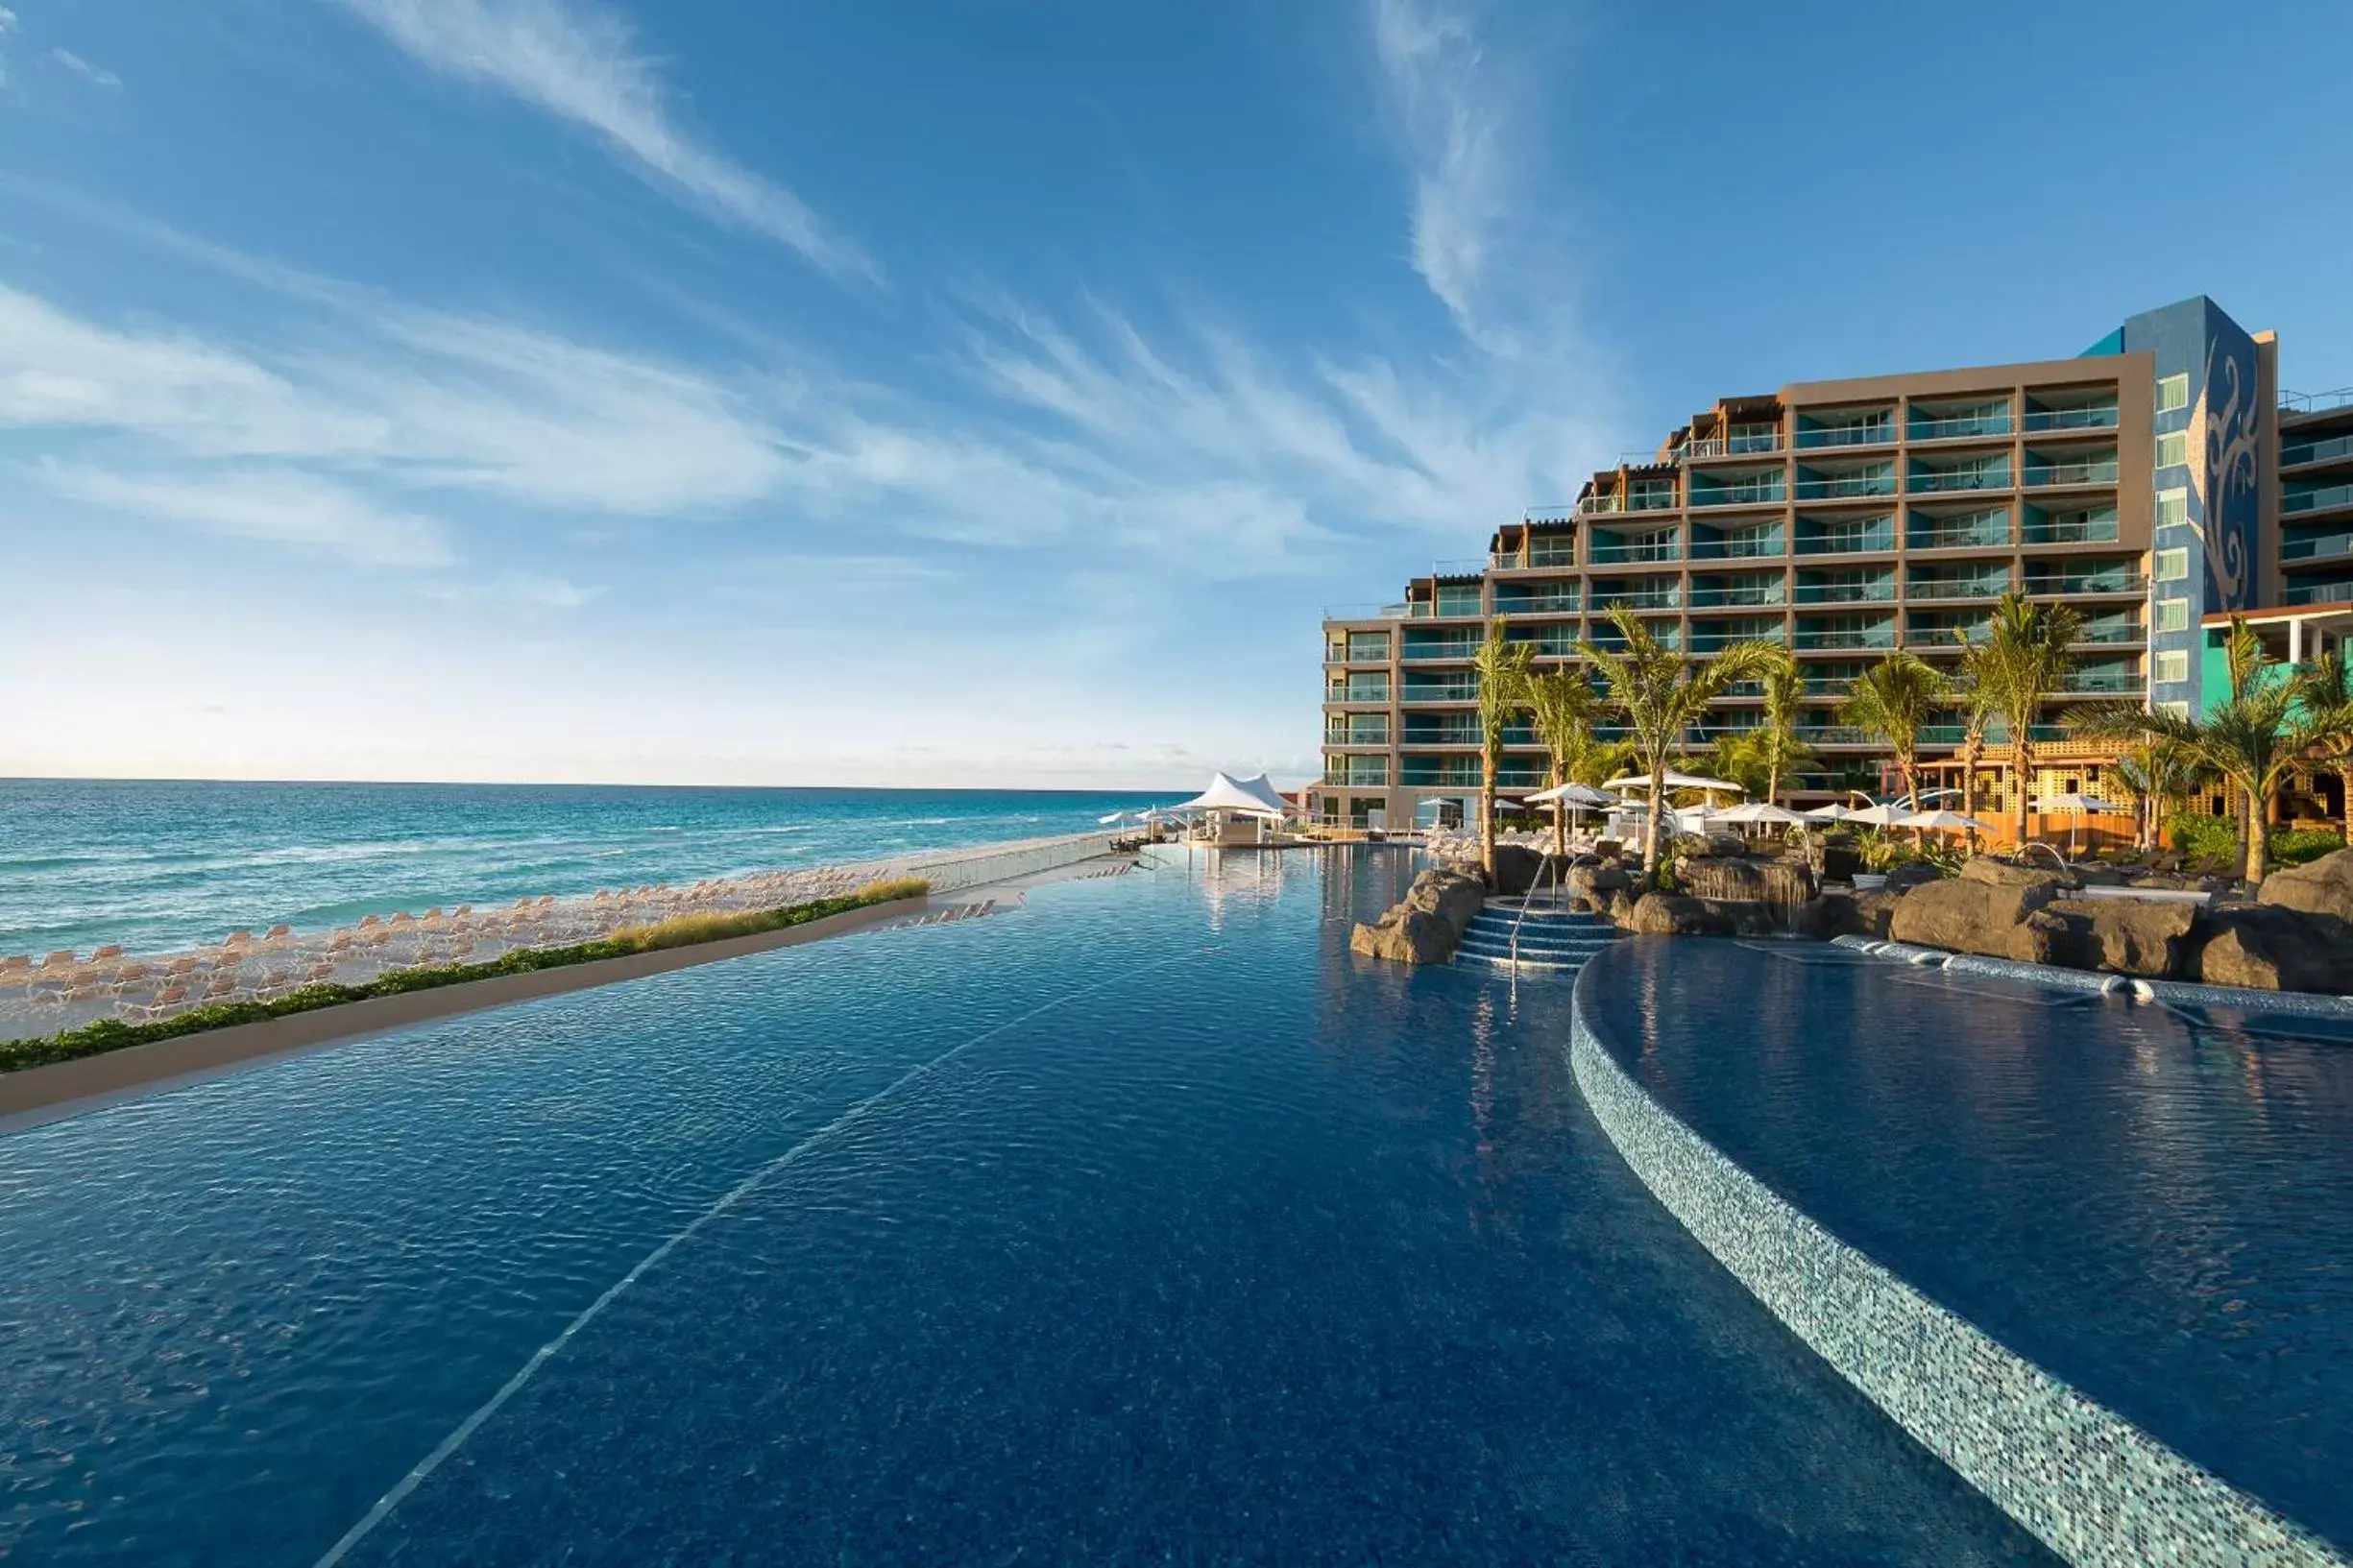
{"points": [[1969, 691], [2025, 660], [2253, 739], [1565, 709], [1661, 694], [2324, 690], [1893, 699], [1777, 738], [1502, 669], [2159, 770]]}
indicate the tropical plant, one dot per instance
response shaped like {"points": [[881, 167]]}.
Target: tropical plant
{"points": [[1502, 669], [2252, 739], [1969, 691], [2325, 692], [1660, 694], [1564, 708], [1893, 699], [1604, 761], [2158, 770], [1777, 738], [1740, 757], [2025, 659]]}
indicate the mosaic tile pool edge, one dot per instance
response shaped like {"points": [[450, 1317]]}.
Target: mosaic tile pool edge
{"points": [[2093, 1486], [2295, 1003]]}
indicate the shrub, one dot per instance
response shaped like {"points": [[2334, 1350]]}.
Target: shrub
{"points": [[2205, 842], [2295, 846]]}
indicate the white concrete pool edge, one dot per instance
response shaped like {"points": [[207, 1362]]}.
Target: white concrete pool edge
{"points": [[2094, 1488], [2295, 1003]]}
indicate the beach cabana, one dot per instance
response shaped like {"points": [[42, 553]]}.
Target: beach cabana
{"points": [[1231, 804]]}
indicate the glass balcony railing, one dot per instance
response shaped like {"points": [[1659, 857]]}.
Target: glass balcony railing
{"points": [[1558, 602], [2317, 500], [1342, 735], [2099, 417], [1960, 426], [1769, 494], [2124, 629], [2095, 531], [1450, 774], [2103, 582], [1951, 481], [1443, 691], [2315, 547], [1738, 547], [2318, 593], [1709, 640], [1558, 645], [1605, 635], [1858, 637], [1848, 541], [1875, 433], [1612, 555], [1764, 594], [1836, 487], [1976, 536], [1958, 588], [1596, 506], [2099, 683], [1735, 444], [1657, 598], [2102, 472], [1836, 734], [1875, 593], [2315, 451], [1375, 773], [1422, 652], [1561, 552]]}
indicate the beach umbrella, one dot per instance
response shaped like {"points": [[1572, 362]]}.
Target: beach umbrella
{"points": [[1760, 811], [2077, 805], [1572, 794], [1676, 780], [1889, 816], [1832, 812], [1948, 822]]}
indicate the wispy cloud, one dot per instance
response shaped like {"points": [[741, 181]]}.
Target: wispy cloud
{"points": [[583, 65], [8, 21], [274, 506], [95, 75]]}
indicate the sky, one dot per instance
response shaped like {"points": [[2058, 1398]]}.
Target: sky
{"points": [[985, 391]]}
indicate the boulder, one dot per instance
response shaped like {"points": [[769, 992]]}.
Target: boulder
{"points": [[2271, 948], [1985, 868], [1713, 878], [1428, 922], [2127, 936], [1591, 881], [1836, 860], [1875, 913], [1902, 878], [1742, 917], [1515, 868], [1977, 914], [1725, 847], [1676, 914], [2321, 887], [2096, 874]]}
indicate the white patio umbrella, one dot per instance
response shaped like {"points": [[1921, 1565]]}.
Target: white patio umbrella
{"points": [[1832, 812], [1677, 781], [1572, 794], [1948, 822], [1759, 812], [1889, 816], [2077, 805]]}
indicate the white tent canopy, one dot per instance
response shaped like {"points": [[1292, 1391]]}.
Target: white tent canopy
{"points": [[1676, 780], [1250, 797]]}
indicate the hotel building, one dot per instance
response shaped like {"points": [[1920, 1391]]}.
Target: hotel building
{"points": [[2156, 482]]}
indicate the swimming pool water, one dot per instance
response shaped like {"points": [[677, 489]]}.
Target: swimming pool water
{"points": [[1142, 1222], [2155, 1205]]}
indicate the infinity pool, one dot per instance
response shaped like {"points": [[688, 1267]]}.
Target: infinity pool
{"points": [[1141, 1222], [2153, 1204]]}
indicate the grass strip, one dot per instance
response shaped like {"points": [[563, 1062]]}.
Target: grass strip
{"points": [[680, 932]]}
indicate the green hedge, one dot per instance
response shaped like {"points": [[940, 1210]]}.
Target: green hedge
{"points": [[113, 1035], [2214, 842]]}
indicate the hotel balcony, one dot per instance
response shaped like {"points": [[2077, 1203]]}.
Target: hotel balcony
{"points": [[1986, 530], [2045, 473], [2055, 415], [2103, 680], [1836, 735], [1928, 630], [2294, 547], [1539, 599], [1356, 688], [1457, 730], [1845, 535], [1871, 427], [1429, 650], [1548, 641], [2105, 580], [1710, 593], [1356, 772], [1742, 441], [1760, 540], [2111, 627], [1852, 484], [1957, 422], [1943, 586], [1846, 588], [1637, 593], [2310, 593], [2312, 453], [2320, 499], [1357, 648], [1610, 547], [1844, 633], [1463, 773], [1439, 689], [1831, 680], [1716, 636], [1928, 478], [1709, 489], [1356, 730], [2086, 526], [1668, 634]]}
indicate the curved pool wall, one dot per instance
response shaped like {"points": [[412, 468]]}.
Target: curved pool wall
{"points": [[1962, 1192], [1141, 1222]]}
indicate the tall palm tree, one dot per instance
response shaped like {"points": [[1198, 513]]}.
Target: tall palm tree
{"points": [[1893, 699], [1565, 709], [2025, 660], [1777, 738], [2324, 690], [1661, 694], [1970, 693], [1502, 669], [2159, 770], [2253, 739]]}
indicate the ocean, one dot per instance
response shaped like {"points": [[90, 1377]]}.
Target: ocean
{"points": [[157, 865]]}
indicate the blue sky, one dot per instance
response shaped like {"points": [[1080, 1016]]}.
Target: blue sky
{"points": [[983, 393]]}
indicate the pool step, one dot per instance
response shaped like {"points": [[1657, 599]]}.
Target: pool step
{"points": [[1547, 942]]}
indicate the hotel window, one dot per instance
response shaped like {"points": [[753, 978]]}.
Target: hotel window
{"points": [[2174, 565], [2174, 449], [2172, 507], [2173, 665], [2172, 614], [2175, 710], [2173, 393]]}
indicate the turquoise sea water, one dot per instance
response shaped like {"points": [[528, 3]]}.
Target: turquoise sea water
{"points": [[160, 864]]}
